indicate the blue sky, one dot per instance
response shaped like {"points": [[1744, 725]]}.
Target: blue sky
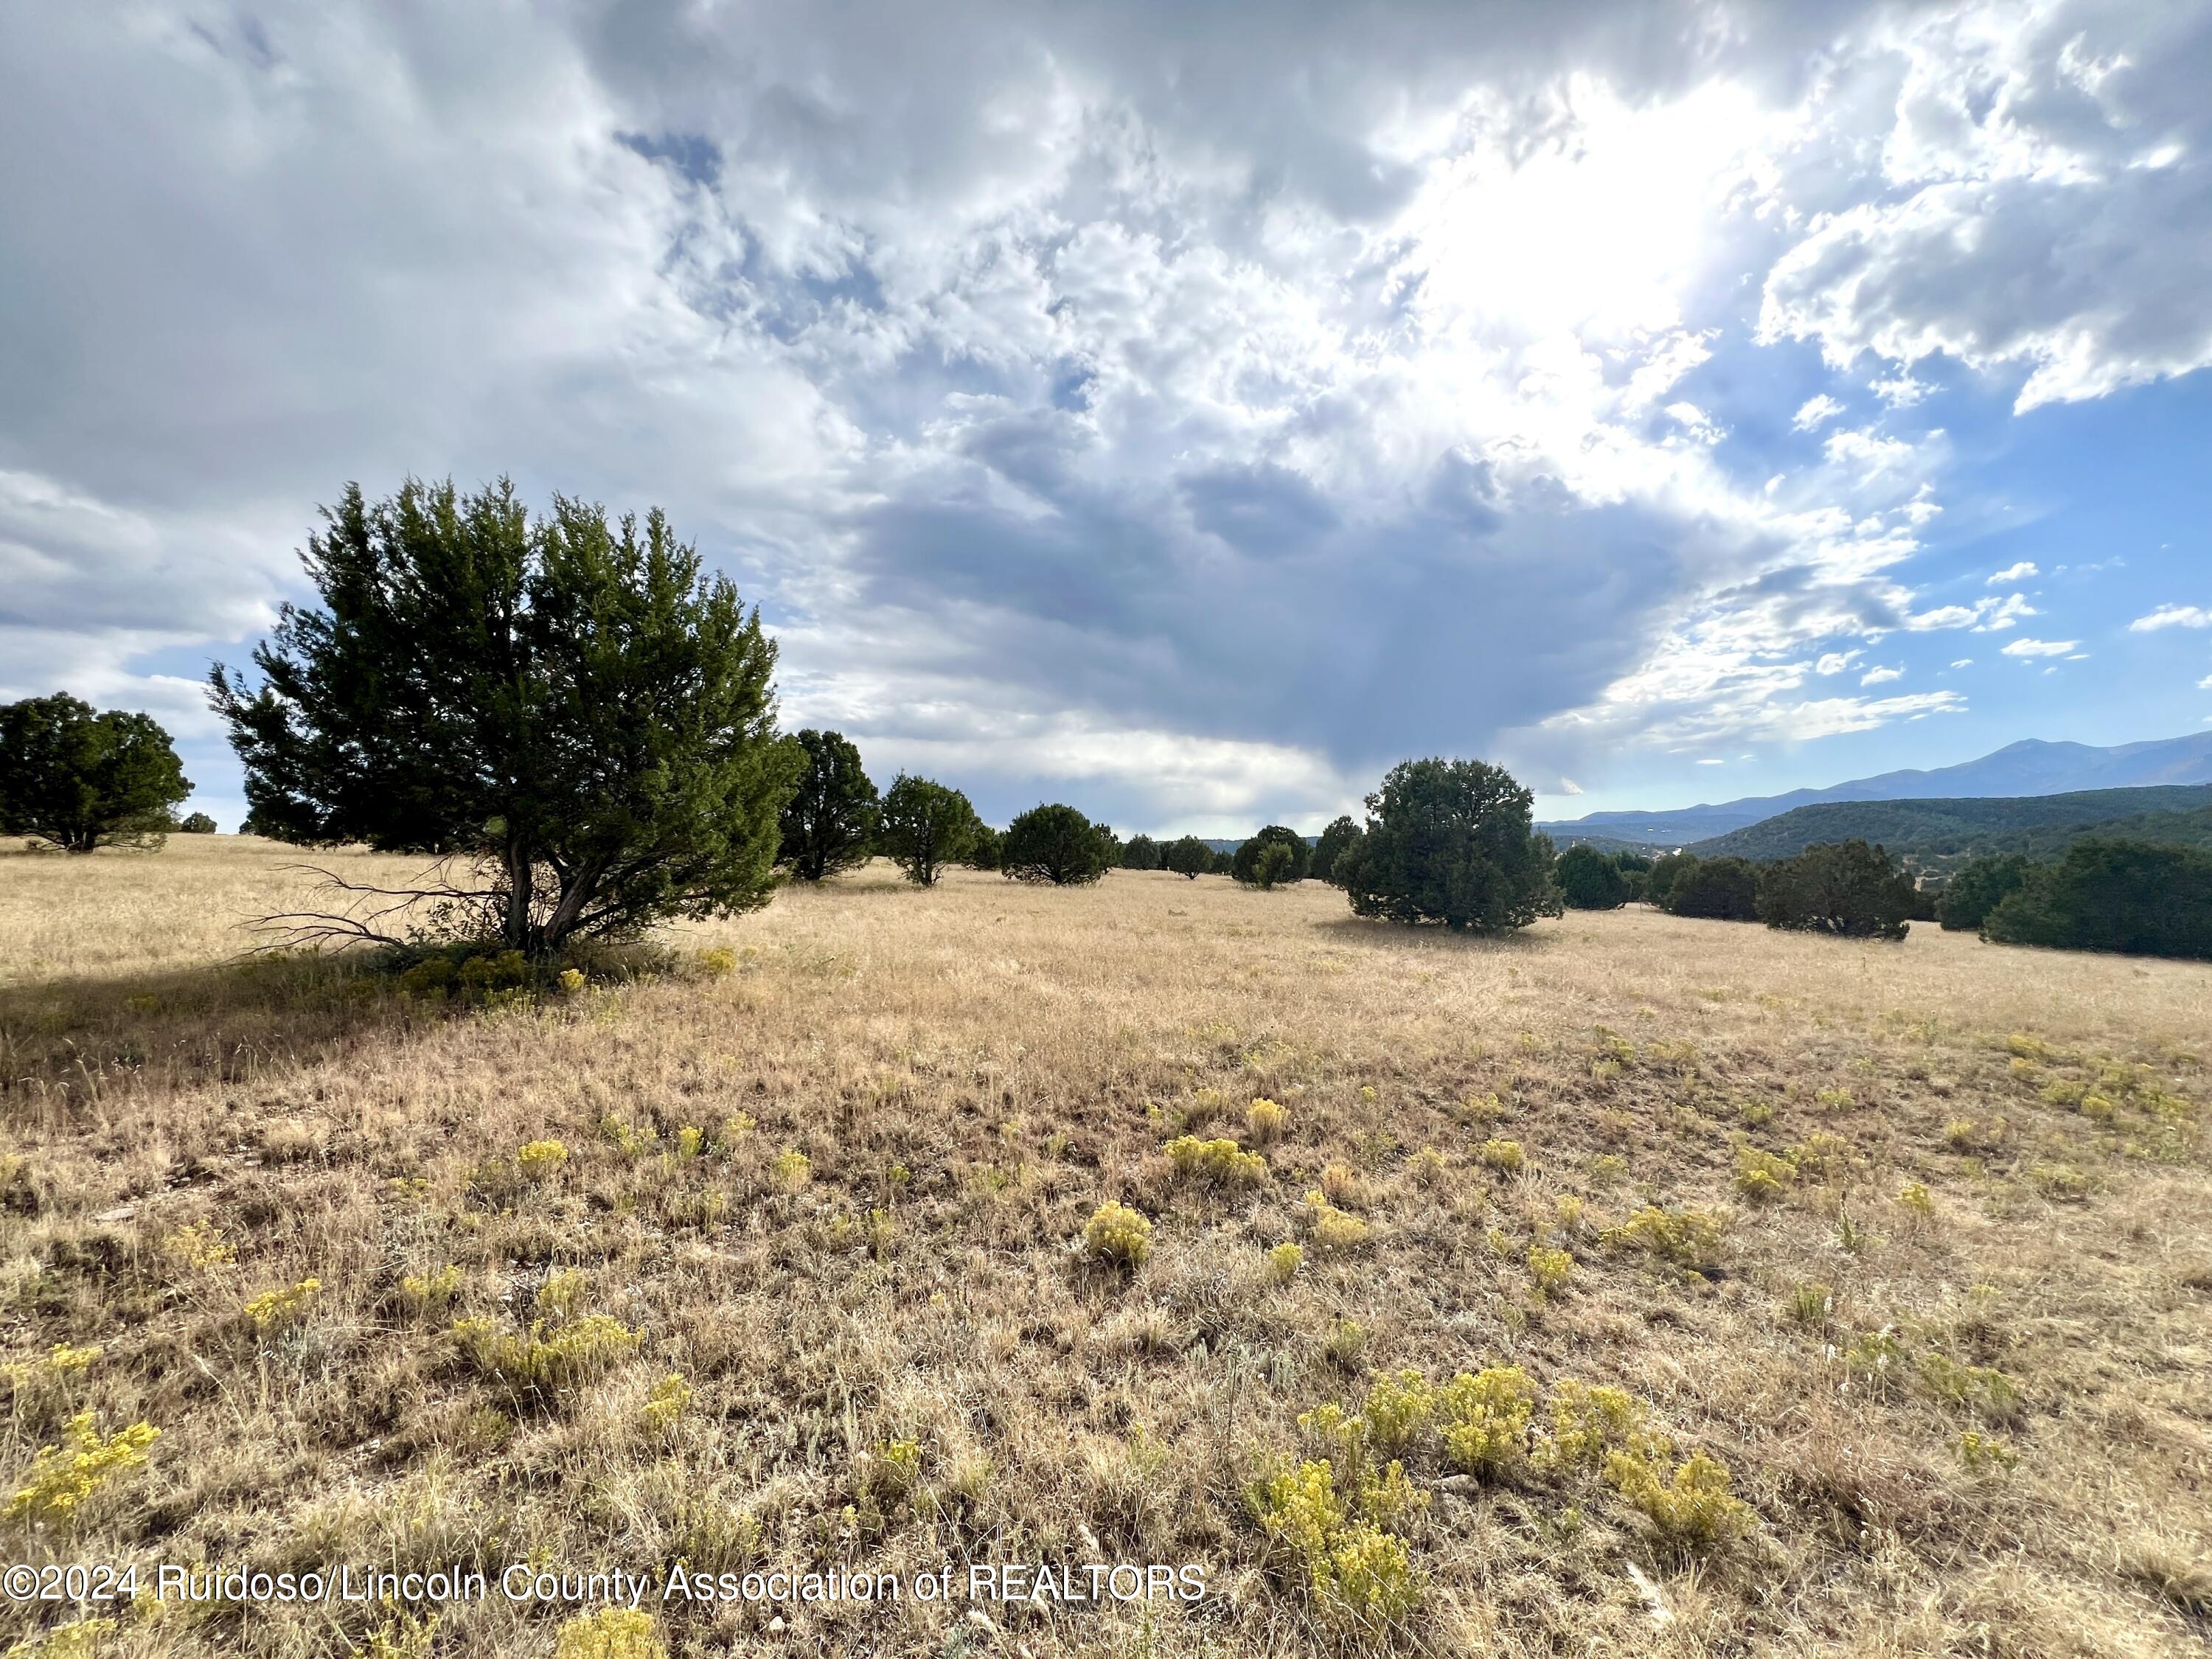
{"points": [[1182, 412]]}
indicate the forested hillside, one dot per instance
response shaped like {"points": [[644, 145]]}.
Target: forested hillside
{"points": [[1937, 832]]}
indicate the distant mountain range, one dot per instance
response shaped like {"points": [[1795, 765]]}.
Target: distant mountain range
{"points": [[2031, 767]]}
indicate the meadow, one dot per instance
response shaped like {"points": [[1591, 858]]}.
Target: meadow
{"points": [[781, 1246]]}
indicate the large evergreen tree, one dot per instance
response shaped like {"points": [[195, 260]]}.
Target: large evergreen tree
{"points": [[1057, 844], [1451, 842], [927, 826], [829, 824], [82, 780], [569, 707], [1846, 888]]}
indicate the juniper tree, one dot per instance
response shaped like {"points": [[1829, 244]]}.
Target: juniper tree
{"points": [[573, 718], [1140, 853], [1056, 844], [1716, 890], [1335, 841], [1188, 857], [1847, 888], [927, 826], [1978, 888], [2111, 894], [1291, 866], [829, 824], [1587, 880], [1451, 842], [82, 780]]}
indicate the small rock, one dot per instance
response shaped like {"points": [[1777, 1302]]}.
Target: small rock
{"points": [[119, 1213]]}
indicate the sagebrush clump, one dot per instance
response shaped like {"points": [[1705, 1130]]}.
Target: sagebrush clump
{"points": [[1221, 1162], [547, 1361], [1333, 1231], [62, 1479], [1118, 1235], [1354, 1570], [1691, 1508]]}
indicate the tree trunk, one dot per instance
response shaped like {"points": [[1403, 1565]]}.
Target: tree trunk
{"points": [[519, 872]]}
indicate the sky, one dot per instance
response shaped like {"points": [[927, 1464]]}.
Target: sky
{"points": [[1183, 410]]}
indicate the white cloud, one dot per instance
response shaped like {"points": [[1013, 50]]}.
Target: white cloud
{"points": [[1834, 662], [1901, 391], [2171, 615], [2040, 648], [1880, 676], [1815, 410], [2012, 573], [1869, 453], [1569, 786], [2006, 613], [2024, 228], [2205, 684], [1962, 662]]}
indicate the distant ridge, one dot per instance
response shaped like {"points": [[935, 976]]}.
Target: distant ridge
{"points": [[2031, 767], [1939, 832]]}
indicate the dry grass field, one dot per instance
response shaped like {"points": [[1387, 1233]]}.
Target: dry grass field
{"points": [[1915, 1242]]}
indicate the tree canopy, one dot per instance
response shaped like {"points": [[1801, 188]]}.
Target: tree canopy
{"points": [[2135, 896], [1057, 844], [1140, 853], [566, 706], [1978, 888], [1289, 865], [830, 822], [927, 826], [1588, 880], [1187, 856], [1341, 834], [1451, 842], [82, 780], [1848, 888], [1715, 890]]}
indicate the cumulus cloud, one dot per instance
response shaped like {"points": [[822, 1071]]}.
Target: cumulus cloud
{"points": [[2173, 615], [2040, 648], [1197, 405], [1880, 676], [2018, 572], [2045, 208]]}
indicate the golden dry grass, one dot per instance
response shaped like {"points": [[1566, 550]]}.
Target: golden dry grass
{"points": [[968, 1073]]}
